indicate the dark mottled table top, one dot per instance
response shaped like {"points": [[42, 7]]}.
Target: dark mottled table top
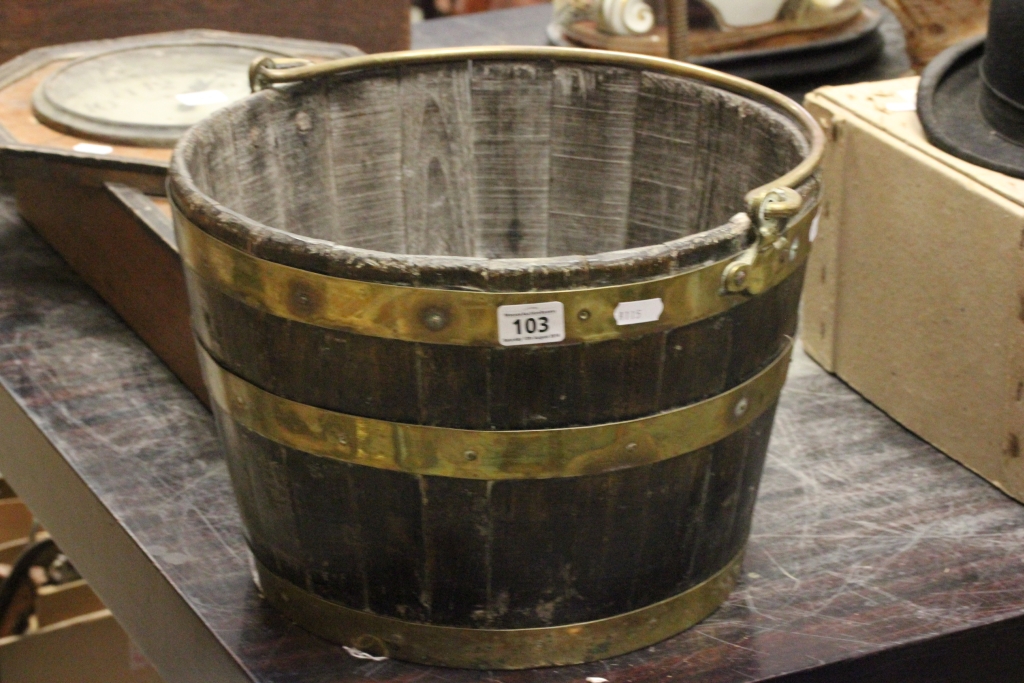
{"points": [[864, 539], [872, 557]]}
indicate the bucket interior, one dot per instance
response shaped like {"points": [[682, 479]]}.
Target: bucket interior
{"points": [[493, 159]]}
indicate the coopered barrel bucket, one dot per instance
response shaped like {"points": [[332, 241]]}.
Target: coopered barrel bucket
{"points": [[494, 339]]}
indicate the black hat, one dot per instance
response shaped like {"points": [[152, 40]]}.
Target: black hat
{"points": [[971, 97]]}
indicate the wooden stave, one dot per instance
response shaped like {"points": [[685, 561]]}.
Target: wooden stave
{"points": [[298, 511], [448, 386], [280, 549]]}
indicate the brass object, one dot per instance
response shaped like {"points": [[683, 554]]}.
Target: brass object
{"points": [[145, 96], [473, 648], [678, 29], [775, 250], [493, 455], [459, 317], [268, 72]]}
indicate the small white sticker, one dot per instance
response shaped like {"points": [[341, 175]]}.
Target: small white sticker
{"points": [[636, 312], [89, 148], [814, 227], [531, 323], [907, 101], [901, 106], [197, 99]]}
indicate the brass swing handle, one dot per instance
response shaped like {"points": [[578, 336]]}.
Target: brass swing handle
{"points": [[770, 212], [264, 72]]}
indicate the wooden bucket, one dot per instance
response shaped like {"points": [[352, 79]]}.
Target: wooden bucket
{"points": [[494, 339]]}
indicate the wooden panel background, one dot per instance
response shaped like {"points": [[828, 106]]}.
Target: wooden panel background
{"points": [[371, 25]]}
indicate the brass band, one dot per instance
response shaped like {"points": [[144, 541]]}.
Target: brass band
{"points": [[473, 648], [447, 316], [493, 455]]}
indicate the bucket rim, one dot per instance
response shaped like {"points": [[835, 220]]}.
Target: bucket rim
{"points": [[630, 264]]}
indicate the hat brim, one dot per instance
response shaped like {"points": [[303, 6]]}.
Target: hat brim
{"points": [[948, 103]]}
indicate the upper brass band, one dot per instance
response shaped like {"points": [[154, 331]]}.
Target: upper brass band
{"points": [[468, 318], [492, 455]]}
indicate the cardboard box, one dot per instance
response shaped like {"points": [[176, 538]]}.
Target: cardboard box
{"points": [[915, 289]]}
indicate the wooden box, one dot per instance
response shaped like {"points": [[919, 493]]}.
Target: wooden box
{"points": [[371, 25], [915, 290], [89, 648], [72, 637], [102, 206]]}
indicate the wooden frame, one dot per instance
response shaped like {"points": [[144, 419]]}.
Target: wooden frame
{"points": [[371, 25], [102, 212]]}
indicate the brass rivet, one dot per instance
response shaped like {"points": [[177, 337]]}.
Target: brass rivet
{"points": [[371, 645], [630, 447], [303, 299], [470, 455], [303, 122], [342, 440], [736, 277], [584, 314], [435, 319], [741, 407], [794, 249]]}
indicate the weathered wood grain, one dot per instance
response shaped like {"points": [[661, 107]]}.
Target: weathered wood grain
{"points": [[592, 126], [437, 161], [498, 162], [511, 139], [698, 150], [366, 163]]}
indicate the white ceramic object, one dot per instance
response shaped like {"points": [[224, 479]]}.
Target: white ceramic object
{"points": [[736, 13], [626, 17]]}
